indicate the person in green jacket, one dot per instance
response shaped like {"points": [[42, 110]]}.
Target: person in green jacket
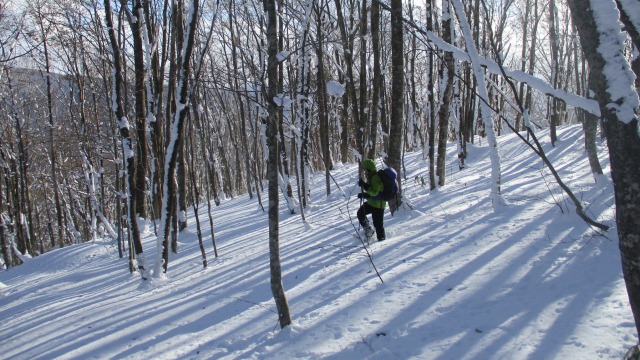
{"points": [[372, 206]]}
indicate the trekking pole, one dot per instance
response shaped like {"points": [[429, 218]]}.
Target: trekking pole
{"points": [[361, 190], [338, 185], [364, 246]]}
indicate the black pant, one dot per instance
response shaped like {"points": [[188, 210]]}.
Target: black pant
{"points": [[378, 218]]}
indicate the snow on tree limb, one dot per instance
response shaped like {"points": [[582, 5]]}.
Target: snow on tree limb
{"points": [[617, 72], [632, 10]]}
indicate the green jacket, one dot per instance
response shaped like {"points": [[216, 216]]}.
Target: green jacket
{"points": [[376, 184]]}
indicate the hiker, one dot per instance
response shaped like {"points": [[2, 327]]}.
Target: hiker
{"points": [[372, 206]]}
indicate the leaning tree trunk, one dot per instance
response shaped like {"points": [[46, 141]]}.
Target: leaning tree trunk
{"points": [[611, 74], [277, 287]]}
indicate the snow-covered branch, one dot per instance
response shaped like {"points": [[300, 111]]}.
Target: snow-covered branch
{"points": [[541, 85]]}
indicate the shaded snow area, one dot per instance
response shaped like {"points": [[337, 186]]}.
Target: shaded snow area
{"points": [[529, 280]]}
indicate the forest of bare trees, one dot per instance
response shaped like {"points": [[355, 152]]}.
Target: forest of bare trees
{"points": [[114, 111]]}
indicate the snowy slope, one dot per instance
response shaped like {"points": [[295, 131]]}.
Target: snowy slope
{"points": [[529, 280]]}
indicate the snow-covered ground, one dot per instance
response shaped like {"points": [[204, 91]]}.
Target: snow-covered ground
{"points": [[462, 280]]}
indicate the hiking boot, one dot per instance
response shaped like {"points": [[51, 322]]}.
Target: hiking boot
{"points": [[368, 232]]}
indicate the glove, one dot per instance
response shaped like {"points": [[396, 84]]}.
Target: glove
{"points": [[363, 196], [363, 184]]}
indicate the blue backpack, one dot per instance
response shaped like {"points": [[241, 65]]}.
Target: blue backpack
{"points": [[390, 184]]}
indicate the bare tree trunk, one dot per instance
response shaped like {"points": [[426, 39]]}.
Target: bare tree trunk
{"points": [[277, 288], [446, 82], [285, 158], [590, 126], [182, 187], [523, 57], [239, 98], [362, 120], [117, 173], [156, 57], [555, 68], [397, 97], [412, 131], [207, 169], [196, 195], [377, 86], [156, 100], [185, 39], [20, 170], [432, 105], [532, 57], [347, 47], [127, 145], [304, 117], [52, 125], [140, 91], [321, 93], [345, 122], [5, 245]]}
